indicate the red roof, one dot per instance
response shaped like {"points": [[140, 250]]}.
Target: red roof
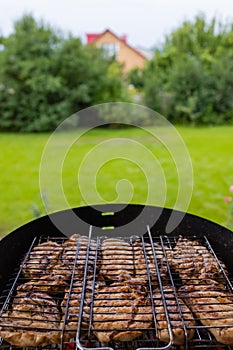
{"points": [[91, 37]]}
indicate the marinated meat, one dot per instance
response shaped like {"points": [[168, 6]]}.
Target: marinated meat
{"points": [[142, 259], [212, 304], [42, 259], [121, 312], [71, 307], [76, 245], [52, 283], [179, 315], [117, 259], [194, 262], [33, 321]]}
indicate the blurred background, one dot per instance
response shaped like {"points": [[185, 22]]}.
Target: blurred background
{"points": [[175, 57]]}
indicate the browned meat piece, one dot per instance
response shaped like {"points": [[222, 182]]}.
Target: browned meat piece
{"points": [[76, 244], [213, 305], [177, 321], [140, 260], [121, 312], [42, 259], [73, 299], [33, 321], [52, 283], [194, 262], [117, 259]]}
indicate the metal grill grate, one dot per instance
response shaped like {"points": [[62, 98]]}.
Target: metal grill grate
{"points": [[77, 290]]}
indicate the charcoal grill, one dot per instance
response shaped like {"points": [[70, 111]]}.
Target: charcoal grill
{"points": [[107, 221]]}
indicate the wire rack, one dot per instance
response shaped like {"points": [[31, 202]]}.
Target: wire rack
{"points": [[96, 292]]}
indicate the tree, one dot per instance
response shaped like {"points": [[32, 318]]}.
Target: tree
{"points": [[29, 91], [44, 77], [222, 77], [190, 78], [135, 77]]}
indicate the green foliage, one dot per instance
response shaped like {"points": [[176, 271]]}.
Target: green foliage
{"points": [[135, 77], [28, 88], [45, 77], [191, 78]]}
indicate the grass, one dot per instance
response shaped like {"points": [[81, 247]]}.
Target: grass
{"points": [[95, 163]]}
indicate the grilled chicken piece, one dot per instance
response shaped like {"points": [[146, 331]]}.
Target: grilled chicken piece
{"points": [[179, 315], [52, 283], [71, 302], [213, 305], [76, 245], [42, 259], [194, 262], [56, 278], [142, 260], [117, 259], [121, 312], [33, 321]]}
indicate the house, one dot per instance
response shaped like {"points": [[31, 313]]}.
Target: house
{"points": [[116, 46]]}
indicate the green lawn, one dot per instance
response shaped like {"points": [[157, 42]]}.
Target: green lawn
{"points": [[102, 158]]}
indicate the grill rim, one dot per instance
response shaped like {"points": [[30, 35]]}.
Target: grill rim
{"points": [[17, 241]]}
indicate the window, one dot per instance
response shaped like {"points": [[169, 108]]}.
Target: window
{"points": [[110, 50]]}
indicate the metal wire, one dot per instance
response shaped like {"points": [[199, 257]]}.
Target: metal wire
{"points": [[69, 293], [175, 292], [161, 290], [12, 287], [85, 338]]}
